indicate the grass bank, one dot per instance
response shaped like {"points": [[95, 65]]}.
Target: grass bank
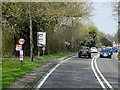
{"points": [[12, 70], [0, 75], [55, 56]]}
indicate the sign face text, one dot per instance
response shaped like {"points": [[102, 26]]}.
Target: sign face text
{"points": [[18, 47], [41, 39], [21, 55], [21, 41]]}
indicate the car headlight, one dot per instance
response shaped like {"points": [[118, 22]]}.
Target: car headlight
{"points": [[109, 53]]}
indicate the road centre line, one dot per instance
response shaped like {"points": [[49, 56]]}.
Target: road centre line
{"points": [[94, 61], [99, 80], [50, 72], [102, 74]]}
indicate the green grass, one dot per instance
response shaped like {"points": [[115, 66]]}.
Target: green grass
{"points": [[8, 56], [0, 75], [12, 70], [55, 56]]}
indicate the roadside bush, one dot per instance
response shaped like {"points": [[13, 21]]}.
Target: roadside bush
{"points": [[8, 47]]}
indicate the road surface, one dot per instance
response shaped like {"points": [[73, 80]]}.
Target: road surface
{"points": [[82, 73]]}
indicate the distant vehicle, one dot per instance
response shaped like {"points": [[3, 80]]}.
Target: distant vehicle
{"points": [[109, 48], [115, 49], [105, 53], [94, 50], [84, 51]]}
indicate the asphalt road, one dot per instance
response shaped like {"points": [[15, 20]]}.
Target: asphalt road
{"points": [[78, 73], [109, 69]]}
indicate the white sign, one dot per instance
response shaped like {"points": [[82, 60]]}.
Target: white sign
{"points": [[41, 39], [21, 41], [21, 55], [18, 47]]}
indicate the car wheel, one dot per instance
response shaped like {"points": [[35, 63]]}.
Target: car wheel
{"points": [[89, 56], [109, 56], [100, 56], [79, 56]]}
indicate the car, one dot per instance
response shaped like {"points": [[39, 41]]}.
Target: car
{"points": [[105, 53], [115, 49], [94, 50], [109, 48], [84, 51]]}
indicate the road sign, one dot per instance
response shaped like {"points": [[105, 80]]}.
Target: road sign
{"points": [[41, 39], [18, 47], [21, 41], [21, 55]]}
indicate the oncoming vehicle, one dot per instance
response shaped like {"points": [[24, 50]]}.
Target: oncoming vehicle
{"points": [[109, 48], [84, 51], [94, 50], [115, 49], [105, 53]]}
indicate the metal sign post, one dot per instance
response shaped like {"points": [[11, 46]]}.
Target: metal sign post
{"points": [[19, 48], [21, 57], [43, 49]]}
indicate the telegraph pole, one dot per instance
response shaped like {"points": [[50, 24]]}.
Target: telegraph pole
{"points": [[31, 34]]}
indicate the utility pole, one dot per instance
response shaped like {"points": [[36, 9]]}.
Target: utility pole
{"points": [[31, 33]]}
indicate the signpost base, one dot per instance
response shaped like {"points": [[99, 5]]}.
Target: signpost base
{"points": [[38, 51], [21, 63]]}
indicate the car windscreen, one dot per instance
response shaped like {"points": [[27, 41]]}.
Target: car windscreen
{"points": [[84, 49], [93, 48], [105, 50]]}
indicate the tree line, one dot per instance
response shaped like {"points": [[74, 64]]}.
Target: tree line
{"points": [[67, 25]]}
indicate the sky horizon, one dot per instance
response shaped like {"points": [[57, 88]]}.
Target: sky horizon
{"points": [[103, 18]]}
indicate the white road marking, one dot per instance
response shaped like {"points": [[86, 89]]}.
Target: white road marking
{"points": [[94, 61], [102, 74], [50, 72], [99, 80]]}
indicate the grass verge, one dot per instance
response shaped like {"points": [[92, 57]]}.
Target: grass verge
{"points": [[0, 75], [55, 56], [12, 70]]}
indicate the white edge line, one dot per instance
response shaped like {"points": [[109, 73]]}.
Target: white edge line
{"points": [[101, 74], [48, 74], [99, 80]]}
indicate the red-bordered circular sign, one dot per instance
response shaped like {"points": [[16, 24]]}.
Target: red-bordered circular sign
{"points": [[21, 41]]}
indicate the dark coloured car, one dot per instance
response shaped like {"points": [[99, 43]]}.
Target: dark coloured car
{"points": [[110, 48], [114, 49], [84, 51], [105, 53]]}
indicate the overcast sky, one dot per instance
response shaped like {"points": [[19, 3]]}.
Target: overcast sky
{"points": [[103, 17]]}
